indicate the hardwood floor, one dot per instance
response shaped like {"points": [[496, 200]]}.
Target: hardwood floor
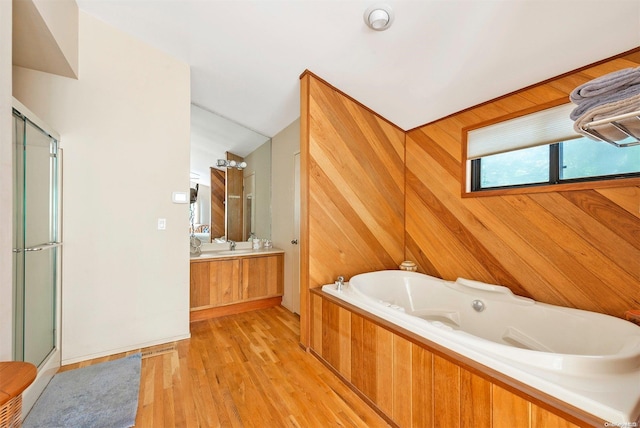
{"points": [[243, 370]]}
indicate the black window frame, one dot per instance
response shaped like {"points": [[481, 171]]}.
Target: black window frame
{"points": [[555, 168]]}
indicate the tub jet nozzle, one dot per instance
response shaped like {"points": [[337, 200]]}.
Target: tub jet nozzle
{"points": [[478, 305]]}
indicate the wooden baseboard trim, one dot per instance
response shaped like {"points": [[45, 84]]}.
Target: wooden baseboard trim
{"points": [[220, 311]]}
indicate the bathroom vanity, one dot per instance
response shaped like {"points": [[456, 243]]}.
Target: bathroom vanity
{"points": [[227, 282]]}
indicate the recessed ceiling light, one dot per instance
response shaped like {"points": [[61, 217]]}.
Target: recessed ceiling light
{"points": [[378, 17]]}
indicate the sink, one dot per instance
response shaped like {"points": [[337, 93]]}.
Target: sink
{"points": [[232, 252], [221, 253]]}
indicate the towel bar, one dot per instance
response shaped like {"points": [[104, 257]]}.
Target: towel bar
{"points": [[615, 122]]}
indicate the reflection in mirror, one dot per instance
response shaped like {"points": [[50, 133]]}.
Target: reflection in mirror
{"points": [[234, 185], [220, 210]]}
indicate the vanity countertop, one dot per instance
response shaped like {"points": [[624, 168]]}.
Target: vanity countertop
{"points": [[240, 252]]}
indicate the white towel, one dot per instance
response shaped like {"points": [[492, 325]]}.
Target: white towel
{"points": [[605, 85], [619, 95]]}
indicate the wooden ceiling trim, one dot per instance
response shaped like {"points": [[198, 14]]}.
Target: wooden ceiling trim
{"points": [[544, 94], [568, 83], [499, 109], [608, 67], [452, 124]]}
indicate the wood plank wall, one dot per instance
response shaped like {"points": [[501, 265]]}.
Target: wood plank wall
{"points": [[415, 386], [218, 195], [576, 248], [234, 212], [352, 213]]}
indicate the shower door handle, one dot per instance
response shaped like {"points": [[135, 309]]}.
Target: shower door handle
{"points": [[41, 247]]}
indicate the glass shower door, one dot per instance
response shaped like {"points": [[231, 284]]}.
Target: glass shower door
{"points": [[36, 246]]}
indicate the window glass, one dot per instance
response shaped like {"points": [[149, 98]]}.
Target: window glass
{"points": [[585, 157], [525, 166]]}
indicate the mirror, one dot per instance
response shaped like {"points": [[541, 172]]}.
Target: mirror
{"points": [[231, 201]]}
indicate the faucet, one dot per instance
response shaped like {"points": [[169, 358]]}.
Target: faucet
{"points": [[232, 245], [340, 283]]}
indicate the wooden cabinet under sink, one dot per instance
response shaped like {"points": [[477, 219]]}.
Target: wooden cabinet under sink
{"points": [[222, 286]]}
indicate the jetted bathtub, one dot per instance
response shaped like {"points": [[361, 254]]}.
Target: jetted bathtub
{"points": [[586, 359]]}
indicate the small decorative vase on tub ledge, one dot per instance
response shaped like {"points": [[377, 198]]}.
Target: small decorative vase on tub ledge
{"points": [[409, 266]]}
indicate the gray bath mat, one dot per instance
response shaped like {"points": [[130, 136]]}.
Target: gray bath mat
{"points": [[101, 395]]}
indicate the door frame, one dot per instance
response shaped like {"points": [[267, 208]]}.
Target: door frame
{"points": [[295, 297]]}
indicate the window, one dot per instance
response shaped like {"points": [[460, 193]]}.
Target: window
{"points": [[541, 148], [570, 161], [588, 158]]}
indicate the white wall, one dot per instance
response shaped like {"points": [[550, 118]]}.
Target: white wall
{"points": [[204, 203], [283, 147], [45, 36], [6, 186], [61, 18], [124, 127], [259, 163]]}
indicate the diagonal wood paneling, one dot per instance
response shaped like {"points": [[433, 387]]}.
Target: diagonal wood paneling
{"points": [[374, 195], [353, 189], [578, 248], [234, 200], [365, 183], [218, 194]]}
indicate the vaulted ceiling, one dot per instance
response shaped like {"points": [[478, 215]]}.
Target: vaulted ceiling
{"points": [[438, 57]]}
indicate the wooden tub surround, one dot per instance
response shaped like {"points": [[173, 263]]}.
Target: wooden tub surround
{"points": [[414, 382], [233, 284]]}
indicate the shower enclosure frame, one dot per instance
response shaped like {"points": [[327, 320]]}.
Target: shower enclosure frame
{"points": [[48, 361]]}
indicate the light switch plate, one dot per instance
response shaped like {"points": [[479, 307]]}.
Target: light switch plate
{"points": [[179, 197], [162, 223]]}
